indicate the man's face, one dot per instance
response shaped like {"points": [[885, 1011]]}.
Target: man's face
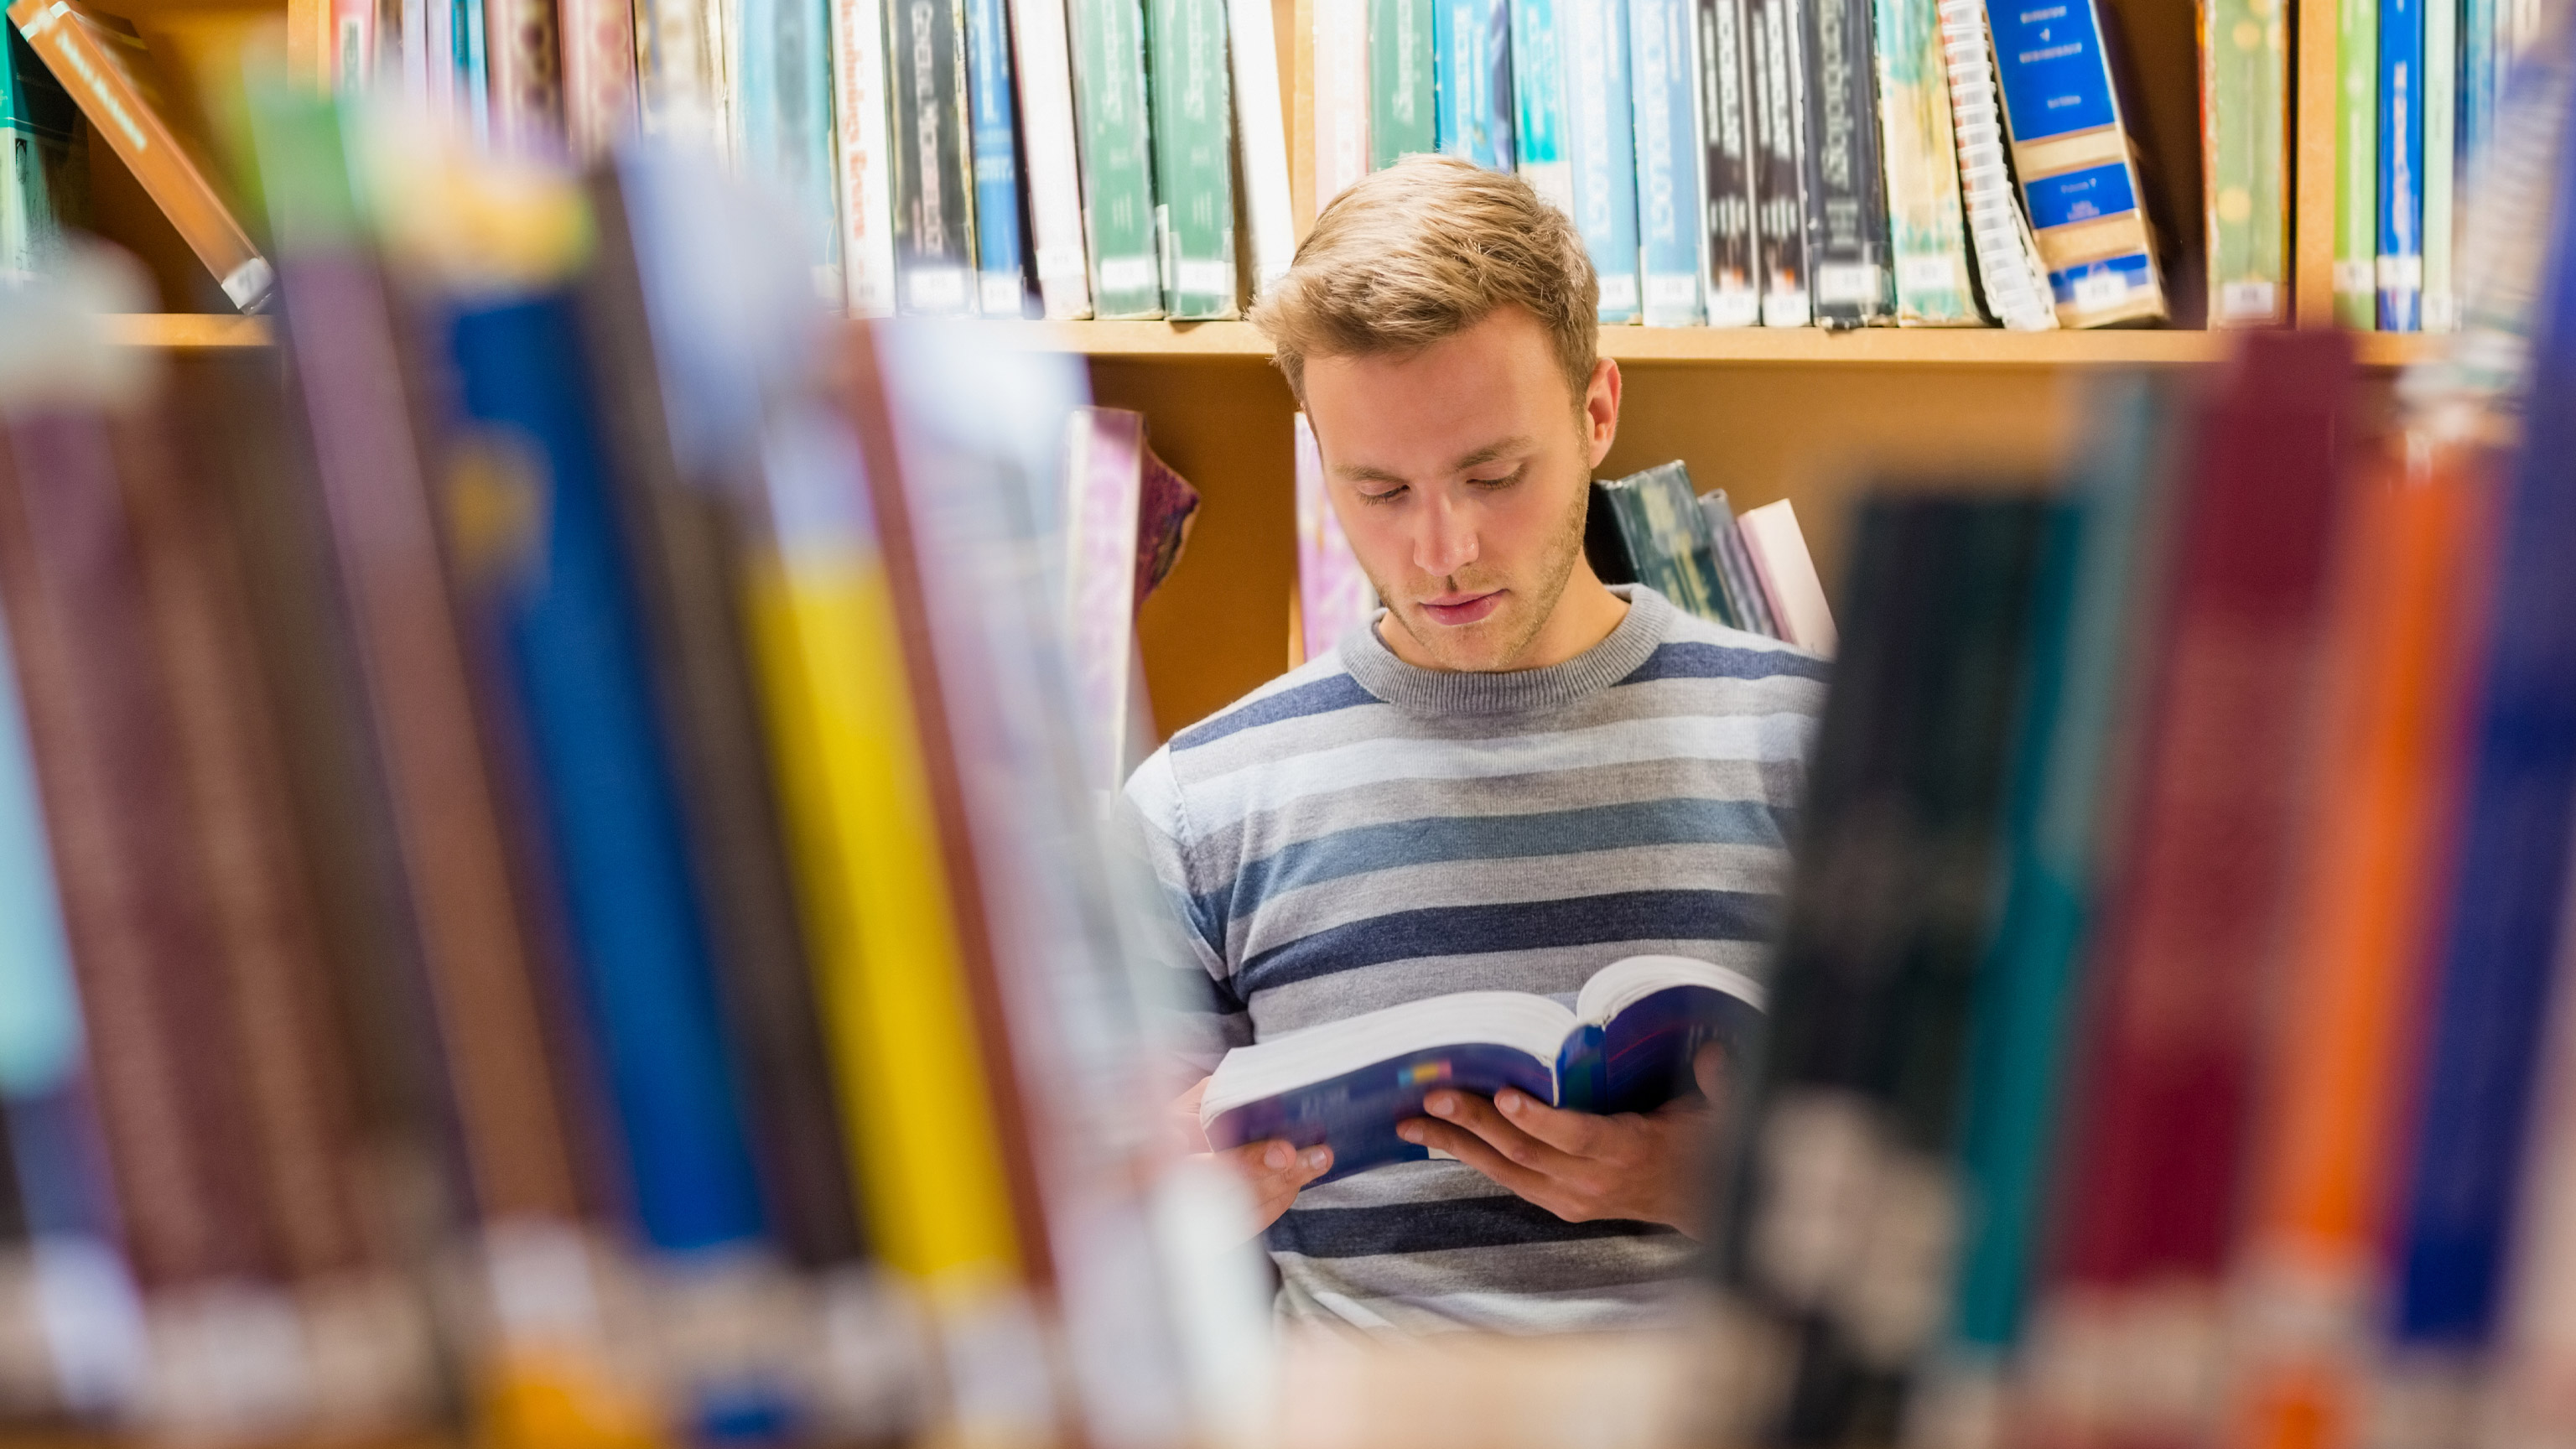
{"points": [[1460, 474]]}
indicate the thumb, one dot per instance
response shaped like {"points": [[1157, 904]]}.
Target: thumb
{"points": [[1708, 1068]]}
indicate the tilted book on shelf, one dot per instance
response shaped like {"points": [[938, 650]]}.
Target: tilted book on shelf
{"points": [[2074, 156], [2010, 276]]}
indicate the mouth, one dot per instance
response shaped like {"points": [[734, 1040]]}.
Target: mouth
{"points": [[1459, 610]]}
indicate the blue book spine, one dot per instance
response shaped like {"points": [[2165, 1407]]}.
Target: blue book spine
{"points": [[473, 71], [2502, 941], [559, 609], [1001, 289], [1601, 144], [2055, 79], [2478, 84], [1538, 101], [1670, 181], [1471, 42], [2401, 165]]}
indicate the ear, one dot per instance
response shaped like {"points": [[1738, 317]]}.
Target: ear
{"points": [[1601, 409]]}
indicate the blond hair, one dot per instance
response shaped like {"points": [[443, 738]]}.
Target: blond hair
{"points": [[1422, 251]]}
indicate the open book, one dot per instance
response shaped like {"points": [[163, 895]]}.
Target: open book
{"points": [[1625, 1047]]}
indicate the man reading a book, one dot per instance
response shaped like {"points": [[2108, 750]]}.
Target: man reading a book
{"points": [[1513, 777]]}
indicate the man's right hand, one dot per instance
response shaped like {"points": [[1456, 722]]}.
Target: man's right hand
{"points": [[1273, 1171]]}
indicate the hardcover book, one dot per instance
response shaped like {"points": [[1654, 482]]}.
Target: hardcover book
{"points": [[1538, 101], [675, 78], [2356, 247], [1471, 40], [599, 74], [1664, 59], [1043, 63], [1117, 157], [783, 108], [933, 171], [1261, 142], [102, 62], [2441, 305], [1847, 258], [1624, 1046], [2400, 213], [1730, 249], [2072, 153], [1404, 112], [1193, 157], [1002, 286], [2010, 275], [1670, 547], [1780, 165], [1342, 152], [44, 172], [1927, 227], [524, 62], [862, 179], [1735, 567], [1787, 573], [2245, 160], [1600, 144]]}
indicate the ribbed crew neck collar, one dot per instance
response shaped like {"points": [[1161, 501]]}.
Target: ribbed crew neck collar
{"points": [[1416, 690]]}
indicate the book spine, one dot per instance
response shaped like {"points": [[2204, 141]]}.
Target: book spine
{"points": [[1927, 228], [674, 83], [2441, 304], [1735, 567], [934, 223], [599, 74], [863, 158], [473, 69], [77, 50], [2072, 153], [1002, 284], [1403, 104], [1044, 68], [353, 45], [44, 160], [1472, 43], [1847, 257], [784, 65], [1601, 145], [1669, 175], [1778, 548], [2356, 254], [1780, 168], [1731, 250], [2245, 161], [1194, 157], [1105, 463], [1117, 157], [2400, 213], [2479, 88], [2009, 272], [1342, 148], [524, 56], [1261, 140], [1538, 101]]}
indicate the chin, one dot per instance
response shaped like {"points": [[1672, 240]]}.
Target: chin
{"points": [[1483, 646]]}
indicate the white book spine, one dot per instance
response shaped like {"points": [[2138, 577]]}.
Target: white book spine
{"points": [[864, 186], [1778, 548], [1054, 176], [1341, 97], [1261, 134], [2008, 264]]}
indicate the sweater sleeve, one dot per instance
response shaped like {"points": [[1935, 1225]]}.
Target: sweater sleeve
{"points": [[1203, 1016]]}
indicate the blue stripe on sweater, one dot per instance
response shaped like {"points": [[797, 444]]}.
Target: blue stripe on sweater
{"points": [[1670, 915], [1365, 848], [1720, 661], [1427, 1227], [1323, 696]]}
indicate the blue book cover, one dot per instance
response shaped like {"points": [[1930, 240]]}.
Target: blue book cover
{"points": [[2401, 165], [545, 570], [1600, 142], [2502, 941], [1001, 289], [1669, 176], [2059, 103], [1471, 42], [1538, 101], [1626, 1045]]}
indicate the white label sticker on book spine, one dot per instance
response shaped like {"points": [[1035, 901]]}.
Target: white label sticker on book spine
{"points": [[1679, 293], [1929, 272], [1848, 282], [1056, 263], [2238, 300], [936, 289], [2401, 273], [1128, 274], [1207, 278], [1618, 292]]}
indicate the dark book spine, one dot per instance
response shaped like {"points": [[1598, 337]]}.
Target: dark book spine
{"points": [[1778, 50], [1732, 257], [134, 901], [1847, 247], [1605, 543], [1887, 916], [934, 198], [683, 545]]}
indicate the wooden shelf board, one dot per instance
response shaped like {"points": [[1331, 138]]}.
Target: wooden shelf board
{"points": [[186, 330]]}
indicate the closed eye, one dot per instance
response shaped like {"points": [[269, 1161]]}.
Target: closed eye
{"points": [[1504, 481], [1389, 496]]}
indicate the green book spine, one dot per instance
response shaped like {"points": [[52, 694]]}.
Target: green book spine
{"points": [[1925, 220], [1117, 157], [2245, 142], [1403, 114], [2356, 296], [2441, 164], [1669, 542], [1194, 158], [43, 183]]}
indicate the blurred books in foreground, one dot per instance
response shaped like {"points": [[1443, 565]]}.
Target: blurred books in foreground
{"points": [[549, 857]]}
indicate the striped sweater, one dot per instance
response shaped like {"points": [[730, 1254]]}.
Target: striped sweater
{"points": [[1361, 833]]}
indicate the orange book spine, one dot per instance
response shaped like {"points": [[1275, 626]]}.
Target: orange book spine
{"points": [[83, 50], [2340, 1058]]}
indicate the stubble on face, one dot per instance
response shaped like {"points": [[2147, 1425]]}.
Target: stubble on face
{"points": [[1498, 642]]}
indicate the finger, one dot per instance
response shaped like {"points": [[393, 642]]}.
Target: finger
{"points": [[1576, 1134], [1480, 1117], [1479, 1154], [1708, 1068]]}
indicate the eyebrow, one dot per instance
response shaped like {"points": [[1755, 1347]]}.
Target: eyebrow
{"points": [[1362, 473]]}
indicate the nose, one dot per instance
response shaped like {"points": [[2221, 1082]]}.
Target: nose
{"points": [[1445, 537]]}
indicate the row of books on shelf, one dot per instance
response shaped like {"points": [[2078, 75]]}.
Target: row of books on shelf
{"points": [[2173, 1035], [551, 873]]}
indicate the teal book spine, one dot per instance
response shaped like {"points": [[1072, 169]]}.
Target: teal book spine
{"points": [[1601, 143], [1194, 158], [1538, 102], [1471, 41], [43, 185], [1670, 181], [1117, 157], [1403, 101], [786, 121]]}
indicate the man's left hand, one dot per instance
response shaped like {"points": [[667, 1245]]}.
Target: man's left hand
{"points": [[1646, 1167]]}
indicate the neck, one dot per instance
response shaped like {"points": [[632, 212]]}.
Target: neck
{"points": [[1584, 615]]}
